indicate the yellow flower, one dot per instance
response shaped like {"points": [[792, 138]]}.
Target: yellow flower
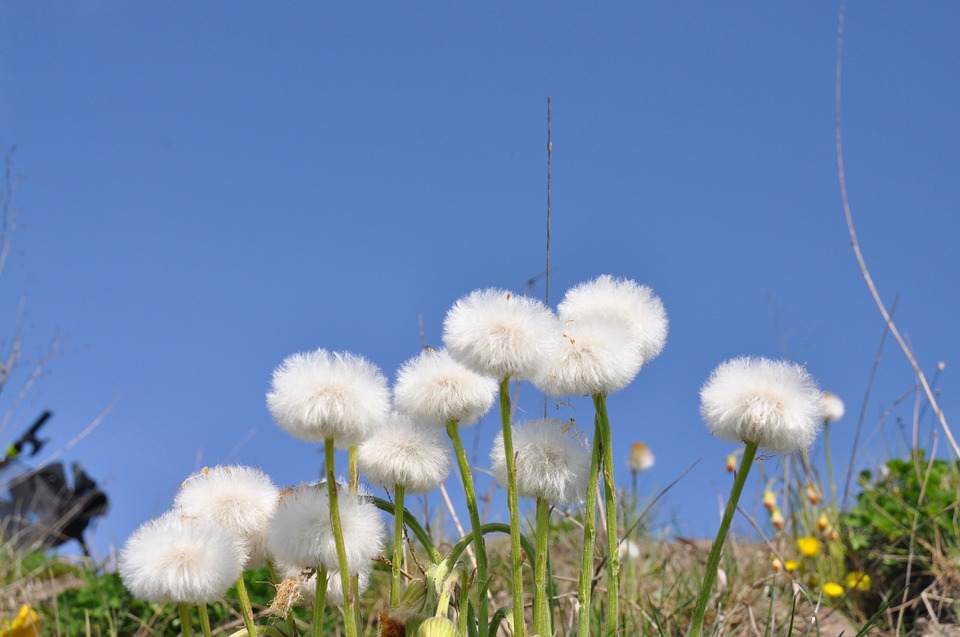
{"points": [[832, 589], [808, 546], [791, 565], [859, 581], [24, 625]]}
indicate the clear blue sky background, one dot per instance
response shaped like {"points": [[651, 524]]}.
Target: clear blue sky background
{"points": [[211, 187]]}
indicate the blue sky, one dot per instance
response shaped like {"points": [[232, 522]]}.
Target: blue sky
{"points": [[209, 188]]}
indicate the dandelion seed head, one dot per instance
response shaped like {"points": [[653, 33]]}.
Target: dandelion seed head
{"points": [[407, 453], [775, 404], [499, 334], [833, 408], [635, 305], [594, 355], [319, 395], [436, 389], [240, 500], [301, 532], [552, 462], [180, 559], [640, 458]]}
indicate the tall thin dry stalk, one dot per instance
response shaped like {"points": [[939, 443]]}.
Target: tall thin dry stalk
{"points": [[854, 243]]}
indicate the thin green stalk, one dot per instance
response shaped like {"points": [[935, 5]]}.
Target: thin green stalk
{"points": [[414, 525], [204, 619], [319, 601], [829, 460], [713, 561], [450, 559], [610, 500], [349, 618], [584, 585], [453, 431], [186, 625], [541, 614], [353, 472], [246, 610], [513, 506], [397, 546], [462, 614], [446, 592]]}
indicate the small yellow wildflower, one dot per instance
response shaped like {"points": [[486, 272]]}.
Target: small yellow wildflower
{"points": [[832, 589], [23, 625], [791, 565], [808, 546], [859, 581]]}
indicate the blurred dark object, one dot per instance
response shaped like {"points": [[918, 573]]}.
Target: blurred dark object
{"points": [[38, 507]]}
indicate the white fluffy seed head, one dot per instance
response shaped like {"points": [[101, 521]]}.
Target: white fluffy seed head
{"points": [[301, 532], [436, 389], [308, 583], [499, 334], [594, 355], [640, 458], [776, 404], [624, 300], [407, 453], [240, 500], [319, 395], [833, 408], [552, 461], [180, 559]]}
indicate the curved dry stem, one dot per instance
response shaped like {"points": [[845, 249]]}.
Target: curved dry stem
{"points": [[863, 264]]}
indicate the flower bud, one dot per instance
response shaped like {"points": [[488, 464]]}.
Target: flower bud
{"points": [[812, 494], [776, 519], [731, 463], [822, 523], [437, 627], [769, 500], [413, 600]]}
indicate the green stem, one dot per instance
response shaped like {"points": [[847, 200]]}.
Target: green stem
{"points": [[513, 506], [186, 625], [446, 592], [414, 525], [462, 614], [246, 610], [584, 586], [353, 472], [397, 547], [610, 500], [319, 600], [453, 431], [829, 460], [349, 619], [204, 619], [541, 616], [713, 561], [450, 559]]}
